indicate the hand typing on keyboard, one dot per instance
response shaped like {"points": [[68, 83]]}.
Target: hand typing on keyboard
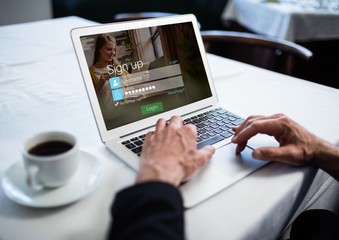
{"points": [[212, 126], [170, 154]]}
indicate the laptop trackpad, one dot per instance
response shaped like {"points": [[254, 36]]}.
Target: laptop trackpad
{"points": [[224, 169], [232, 164]]}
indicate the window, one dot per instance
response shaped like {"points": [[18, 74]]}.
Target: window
{"points": [[156, 42]]}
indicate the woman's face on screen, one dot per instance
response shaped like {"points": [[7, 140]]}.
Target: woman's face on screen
{"points": [[107, 52]]}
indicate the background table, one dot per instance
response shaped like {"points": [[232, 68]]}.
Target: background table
{"points": [[41, 89], [315, 29], [284, 20]]}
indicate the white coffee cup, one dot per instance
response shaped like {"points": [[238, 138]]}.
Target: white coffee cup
{"points": [[50, 159]]}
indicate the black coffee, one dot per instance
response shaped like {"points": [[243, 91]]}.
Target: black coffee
{"points": [[50, 148]]}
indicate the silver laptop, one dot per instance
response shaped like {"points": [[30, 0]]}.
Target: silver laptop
{"points": [[137, 72]]}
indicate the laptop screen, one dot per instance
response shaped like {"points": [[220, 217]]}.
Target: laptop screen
{"points": [[142, 72]]}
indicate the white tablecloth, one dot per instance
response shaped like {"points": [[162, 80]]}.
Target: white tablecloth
{"points": [[284, 20], [41, 89]]}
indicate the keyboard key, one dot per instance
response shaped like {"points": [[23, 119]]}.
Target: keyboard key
{"points": [[220, 123], [211, 133], [217, 130], [224, 128], [232, 115], [226, 134], [130, 145], [210, 141], [126, 142], [138, 143], [142, 136], [222, 111], [201, 131], [205, 136], [137, 150], [238, 122], [207, 123], [226, 121]]}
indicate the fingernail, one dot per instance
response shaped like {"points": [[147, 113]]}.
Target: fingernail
{"points": [[257, 154], [234, 139]]}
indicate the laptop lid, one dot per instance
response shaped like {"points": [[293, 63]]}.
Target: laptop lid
{"points": [[137, 72]]}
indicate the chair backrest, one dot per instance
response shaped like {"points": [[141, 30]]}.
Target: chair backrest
{"points": [[269, 53]]}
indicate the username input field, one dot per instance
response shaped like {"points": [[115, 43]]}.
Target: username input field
{"points": [[151, 75]]}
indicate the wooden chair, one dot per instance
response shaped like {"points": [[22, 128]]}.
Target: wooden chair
{"points": [[140, 15], [276, 55]]}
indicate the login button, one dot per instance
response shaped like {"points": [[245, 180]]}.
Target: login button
{"points": [[152, 108]]}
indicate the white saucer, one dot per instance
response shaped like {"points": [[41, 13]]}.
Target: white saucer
{"points": [[83, 182]]}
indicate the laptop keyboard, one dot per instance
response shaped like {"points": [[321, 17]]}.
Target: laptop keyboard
{"points": [[212, 126]]}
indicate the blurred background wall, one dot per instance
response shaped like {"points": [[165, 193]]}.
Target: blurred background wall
{"points": [[18, 11]]}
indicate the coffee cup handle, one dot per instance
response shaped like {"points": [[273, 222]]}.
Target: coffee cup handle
{"points": [[32, 177]]}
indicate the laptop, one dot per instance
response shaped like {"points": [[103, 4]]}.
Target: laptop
{"points": [[139, 71]]}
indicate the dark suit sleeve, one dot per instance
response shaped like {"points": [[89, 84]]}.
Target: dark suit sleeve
{"points": [[152, 210]]}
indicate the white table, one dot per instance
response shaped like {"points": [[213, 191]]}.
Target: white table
{"points": [[284, 20], [41, 89]]}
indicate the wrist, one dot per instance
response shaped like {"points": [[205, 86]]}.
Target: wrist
{"points": [[326, 157], [151, 175], [321, 150]]}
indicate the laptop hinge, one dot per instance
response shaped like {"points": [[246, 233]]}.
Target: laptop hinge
{"points": [[198, 110], [140, 130]]}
